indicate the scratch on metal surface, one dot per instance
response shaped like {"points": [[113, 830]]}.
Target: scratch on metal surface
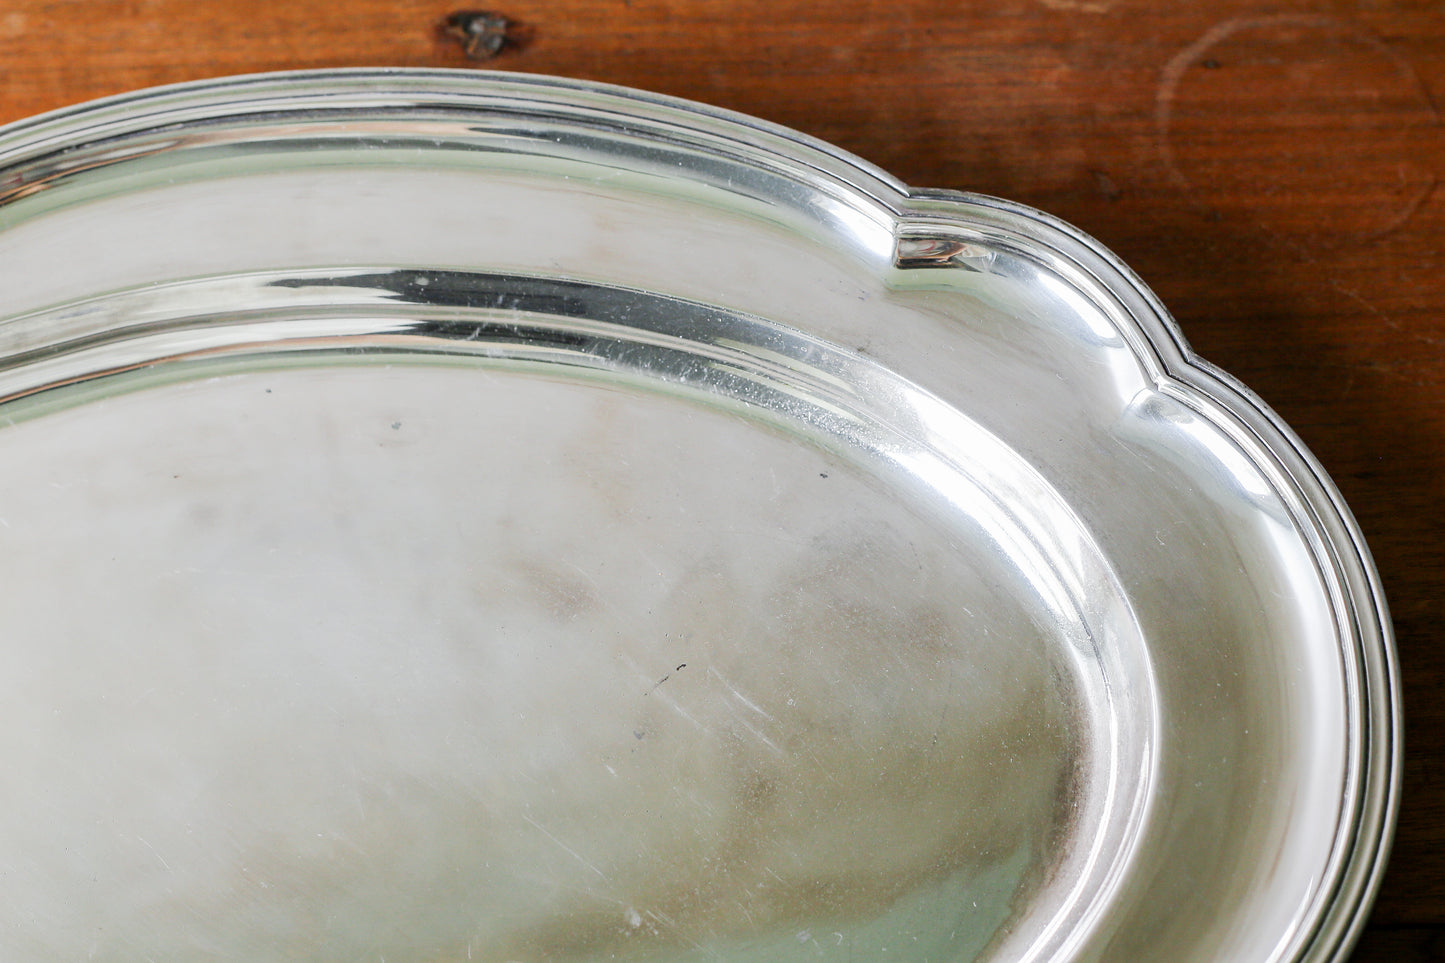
{"points": [[757, 733], [738, 695], [563, 846], [157, 854], [597, 589], [672, 704], [828, 773]]}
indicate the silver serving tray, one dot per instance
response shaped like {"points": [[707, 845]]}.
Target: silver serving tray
{"points": [[453, 516]]}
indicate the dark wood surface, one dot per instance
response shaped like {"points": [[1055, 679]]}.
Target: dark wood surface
{"points": [[1270, 168]]}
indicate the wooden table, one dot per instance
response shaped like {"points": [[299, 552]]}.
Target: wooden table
{"points": [[1269, 168]]}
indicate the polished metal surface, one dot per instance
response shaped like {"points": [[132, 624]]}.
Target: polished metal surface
{"points": [[454, 516]]}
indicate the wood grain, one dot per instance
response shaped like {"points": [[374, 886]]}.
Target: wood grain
{"points": [[1271, 170]]}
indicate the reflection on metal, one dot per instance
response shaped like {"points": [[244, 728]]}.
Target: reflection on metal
{"points": [[449, 515], [923, 252]]}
